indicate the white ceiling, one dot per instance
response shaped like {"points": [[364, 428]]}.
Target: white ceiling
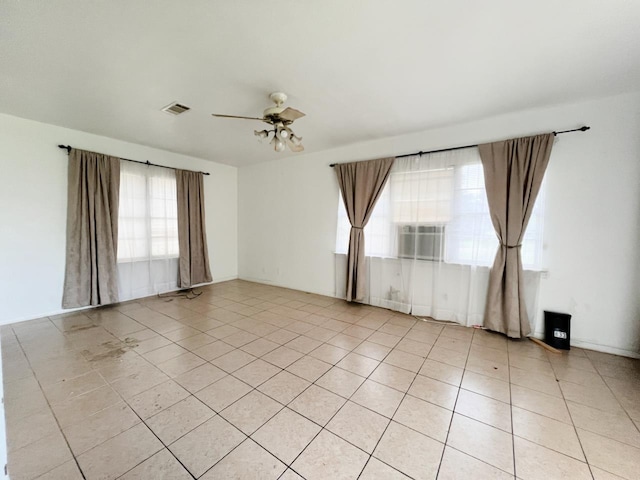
{"points": [[360, 69]]}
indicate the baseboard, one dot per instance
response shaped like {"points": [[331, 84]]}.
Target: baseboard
{"points": [[281, 285], [576, 342], [71, 310]]}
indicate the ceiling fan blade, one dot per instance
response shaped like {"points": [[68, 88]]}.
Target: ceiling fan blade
{"points": [[291, 114], [236, 116], [293, 147]]}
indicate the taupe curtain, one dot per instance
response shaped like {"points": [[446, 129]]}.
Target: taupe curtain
{"points": [[513, 172], [92, 230], [361, 184], [193, 266]]}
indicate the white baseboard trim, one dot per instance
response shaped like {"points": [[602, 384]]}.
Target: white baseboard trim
{"points": [[71, 310], [576, 342], [276, 284]]}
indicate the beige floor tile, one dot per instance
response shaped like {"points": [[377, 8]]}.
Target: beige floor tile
{"points": [[540, 403], [129, 448], [138, 382], [182, 333], [161, 466], [180, 364], [379, 398], [490, 339], [225, 330], [372, 350], [358, 425], [596, 397], [393, 377], [434, 391], [455, 344], [340, 381], [419, 335], [581, 377], [309, 368], [156, 399], [425, 417], [38, 457], [346, 342], [531, 365], [251, 412], [612, 456], [616, 426], [358, 364], [23, 431], [376, 470], [61, 391], [328, 456], [384, 339], [489, 368], [414, 347], [256, 373], [204, 446], [284, 387], [478, 352], [482, 441], [259, 347], [317, 404], [77, 408], [359, 332], [163, 354], [407, 361], [213, 350], [100, 427], [67, 471], [459, 466], [224, 392], [196, 341], [572, 361], [175, 421], [443, 372], [283, 336], [535, 381], [450, 357], [321, 334], [286, 435], [547, 432], [248, 460], [484, 409], [329, 354], [282, 357], [303, 344], [410, 452], [196, 379], [534, 462], [151, 344], [599, 474], [487, 386], [232, 361]]}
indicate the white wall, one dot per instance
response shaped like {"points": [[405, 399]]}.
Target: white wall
{"points": [[33, 202], [287, 213]]}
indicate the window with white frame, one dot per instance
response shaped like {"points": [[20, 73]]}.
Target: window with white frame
{"points": [[147, 216], [435, 208]]}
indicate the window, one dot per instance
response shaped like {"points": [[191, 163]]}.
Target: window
{"points": [[148, 213], [434, 207]]}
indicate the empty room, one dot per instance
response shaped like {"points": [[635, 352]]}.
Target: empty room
{"points": [[333, 240]]}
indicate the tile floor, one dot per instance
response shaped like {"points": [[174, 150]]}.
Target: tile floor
{"points": [[250, 381]]}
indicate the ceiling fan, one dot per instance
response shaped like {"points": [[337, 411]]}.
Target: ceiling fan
{"points": [[280, 117]]}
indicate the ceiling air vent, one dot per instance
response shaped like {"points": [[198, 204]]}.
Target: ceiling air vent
{"points": [[175, 108]]}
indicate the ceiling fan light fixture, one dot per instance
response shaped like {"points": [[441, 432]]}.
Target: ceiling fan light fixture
{"points": [[261, 134], [278, 145]]}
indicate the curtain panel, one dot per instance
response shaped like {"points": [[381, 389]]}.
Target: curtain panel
{"points": [[92, 230], [361, 184], [193, 264], [513, 172]]}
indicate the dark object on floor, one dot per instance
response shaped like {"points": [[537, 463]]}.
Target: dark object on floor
{"points": [[557, 330]]}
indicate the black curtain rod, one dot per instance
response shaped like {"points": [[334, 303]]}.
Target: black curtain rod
{"points": [[581, 129], [68, 149]]}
